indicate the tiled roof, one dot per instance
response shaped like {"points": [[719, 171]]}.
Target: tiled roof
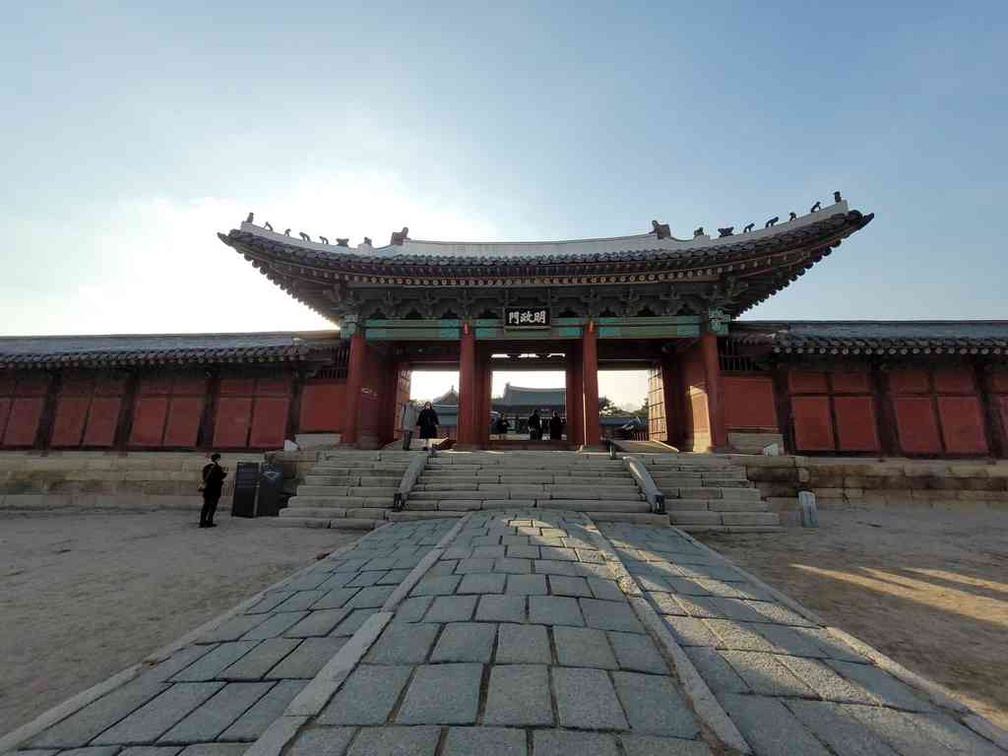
{"points": [[115, 351], [412, 252], [875, 337], [520, 396]]}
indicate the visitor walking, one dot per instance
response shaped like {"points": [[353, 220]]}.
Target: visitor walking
{"points": [[535, 426], [428, 422], [213, 482], [556, 426]]}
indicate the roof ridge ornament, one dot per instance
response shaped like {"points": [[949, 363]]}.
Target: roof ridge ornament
{"points": [[399, 237], [661, 230]]}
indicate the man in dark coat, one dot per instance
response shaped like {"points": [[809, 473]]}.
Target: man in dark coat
{"points": [[213, 482], [428, 422], [556, 426], [535, 426]]}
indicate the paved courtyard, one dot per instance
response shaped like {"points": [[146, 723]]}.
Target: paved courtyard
{"points": [[522, 632]]}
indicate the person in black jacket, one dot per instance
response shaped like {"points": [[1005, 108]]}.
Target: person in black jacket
{"points": [[555, 426], [535, 426], [428, 422], [213, 482]]}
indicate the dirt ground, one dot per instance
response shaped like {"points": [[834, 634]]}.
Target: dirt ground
{"points": [[83, 596], [927, 588]]}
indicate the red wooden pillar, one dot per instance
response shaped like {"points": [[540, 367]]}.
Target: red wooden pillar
{"points": [[575, 402], [486, 399], [355, 375], [468, 391], [589, 367], [715, 403]]}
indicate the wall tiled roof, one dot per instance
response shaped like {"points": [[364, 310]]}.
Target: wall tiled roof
{"points": [[875, 337], [208, 348]]}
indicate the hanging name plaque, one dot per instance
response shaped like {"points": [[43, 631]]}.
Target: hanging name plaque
{"points": [[526, 317]]}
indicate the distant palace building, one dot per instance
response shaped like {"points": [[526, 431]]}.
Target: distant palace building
{"points": [[647, 301]]}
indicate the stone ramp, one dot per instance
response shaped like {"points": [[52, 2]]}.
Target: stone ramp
{"points": [[514, 631]]}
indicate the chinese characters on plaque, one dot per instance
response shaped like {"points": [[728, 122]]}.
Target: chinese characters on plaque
{"points": [[526, 317]]}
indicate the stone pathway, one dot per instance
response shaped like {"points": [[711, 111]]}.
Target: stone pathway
{"points": [[515, 632]]}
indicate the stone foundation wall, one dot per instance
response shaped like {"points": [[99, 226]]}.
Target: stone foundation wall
{"points": [[873, 483], [108, 480]]}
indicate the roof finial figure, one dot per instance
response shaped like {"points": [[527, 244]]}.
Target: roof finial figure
{"points": [[772, 222], [343, 242], [748, 228], [661, 230], [726, 231], [367, 241], [249, 219], [323, 239], [837, 197], [267, 226], [286, 232], [792, 216], [399, 237], [815, 207], [304, 236], [698, 231]]}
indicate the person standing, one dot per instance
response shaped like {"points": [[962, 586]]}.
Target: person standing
{"points": [[428, 423], [555, 427], [213, 483], [535, 426]]}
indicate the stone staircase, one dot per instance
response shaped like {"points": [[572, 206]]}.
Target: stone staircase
{"points": [[347, 489], [710, 493], [590, 483]]}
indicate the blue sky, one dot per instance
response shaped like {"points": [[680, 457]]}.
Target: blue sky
{"points": [[133, 132]]}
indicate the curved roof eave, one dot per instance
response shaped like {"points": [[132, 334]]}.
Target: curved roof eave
{"points": [[621, 248]]}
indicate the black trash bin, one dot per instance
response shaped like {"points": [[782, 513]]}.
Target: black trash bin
{"points": [[271, 491]]}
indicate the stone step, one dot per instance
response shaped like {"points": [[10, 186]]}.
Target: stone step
{"points": [[498, 473], [410, 516], [728, 505], [594, 505], [618, 494], [700, 481], [735, 494], [342, 502], [335, 491], [714, 505], [313, 479], [343, 523], [363, 469], [695, 518], [362, 513]]}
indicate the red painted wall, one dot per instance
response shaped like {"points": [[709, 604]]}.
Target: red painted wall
{"points": [[168, 409], [938, 411], [21, 408], [749, 402], [322, 405], [856, 426], [252, 412], [813, 423], [833, 411]]}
